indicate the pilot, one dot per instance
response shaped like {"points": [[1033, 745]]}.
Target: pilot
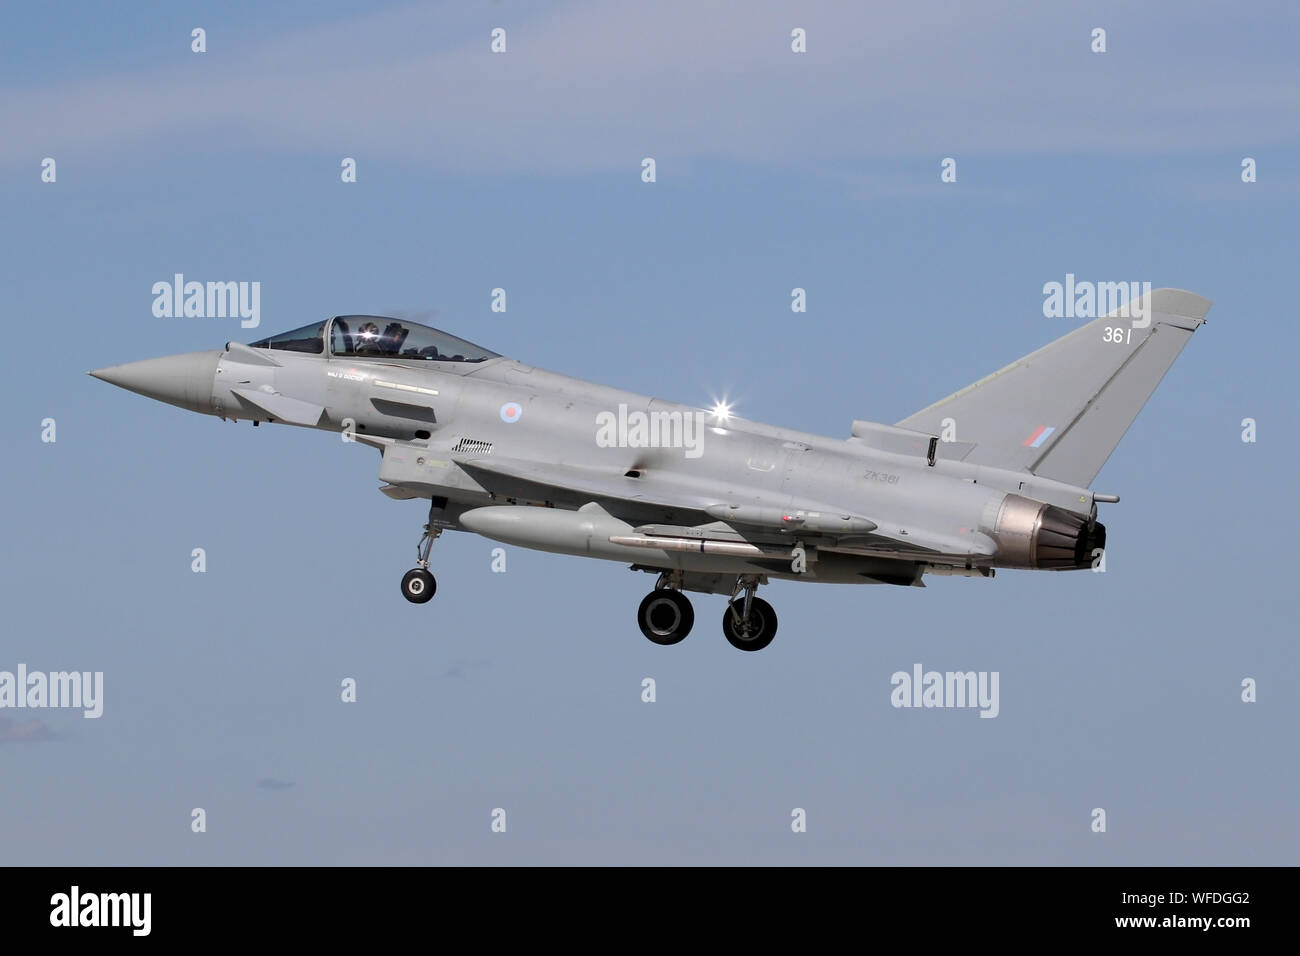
{"points": [[394, 336], [368, 339]]}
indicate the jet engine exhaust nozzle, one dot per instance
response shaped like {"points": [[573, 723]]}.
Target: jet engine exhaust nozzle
{"points": [[1033, 534]]}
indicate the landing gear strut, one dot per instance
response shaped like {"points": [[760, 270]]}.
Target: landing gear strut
{"points": [[418, 585], [749, 623], [665, 615]]}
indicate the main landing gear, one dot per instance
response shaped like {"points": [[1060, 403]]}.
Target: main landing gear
{"points": [[418, 585], [749, 623], [666, 616]]}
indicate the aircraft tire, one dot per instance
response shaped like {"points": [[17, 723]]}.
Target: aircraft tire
{"points": [[762, 625], [665, 616], [418, 585]]}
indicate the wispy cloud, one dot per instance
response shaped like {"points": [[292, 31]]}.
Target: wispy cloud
{"points": [[459, 668], [1230, 188], [596, 86], [27, 731]]}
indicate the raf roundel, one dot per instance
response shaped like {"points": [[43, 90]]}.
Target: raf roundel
{"points": [[510, 412]]}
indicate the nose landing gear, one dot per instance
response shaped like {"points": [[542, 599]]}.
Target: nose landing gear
{"points": [[418, 584]]}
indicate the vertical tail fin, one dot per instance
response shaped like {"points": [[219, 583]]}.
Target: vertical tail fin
{"points": [[1059, 412]]}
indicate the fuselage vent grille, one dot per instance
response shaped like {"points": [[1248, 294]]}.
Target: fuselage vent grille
{"points": [[472, 446]]}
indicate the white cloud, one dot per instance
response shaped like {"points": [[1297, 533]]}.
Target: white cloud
{"points": [[595, 86]]}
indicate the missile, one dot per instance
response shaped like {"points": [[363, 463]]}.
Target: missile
{"points": [[828, 521], [735, 549]]}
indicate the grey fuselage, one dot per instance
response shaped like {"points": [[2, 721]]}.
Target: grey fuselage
{"points": [[884, 506]]}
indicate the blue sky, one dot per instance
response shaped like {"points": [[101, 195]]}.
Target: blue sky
{"points": [[522, 690]]}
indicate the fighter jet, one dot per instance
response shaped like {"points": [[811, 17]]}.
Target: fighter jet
{"points": [[994, 476]]}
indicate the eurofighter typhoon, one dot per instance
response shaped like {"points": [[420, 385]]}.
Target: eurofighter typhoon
{"points": [[996, 475]]}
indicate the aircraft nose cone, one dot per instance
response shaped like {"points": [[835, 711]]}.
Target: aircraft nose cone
{"points": [[184, 380]]}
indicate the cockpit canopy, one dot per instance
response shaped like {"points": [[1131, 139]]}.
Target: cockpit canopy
{"points": [[376, 336]]}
